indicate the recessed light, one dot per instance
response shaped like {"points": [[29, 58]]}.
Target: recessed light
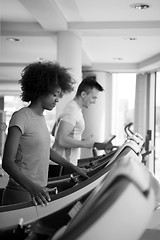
{"points": [[40, 59], [130, 38], [14, 39], [118, 58], [140, 6]]}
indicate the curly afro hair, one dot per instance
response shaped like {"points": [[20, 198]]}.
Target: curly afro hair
{"points": [[41, 78]]}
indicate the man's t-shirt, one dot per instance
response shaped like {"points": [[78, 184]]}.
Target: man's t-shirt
{"points": [[72, 114]]}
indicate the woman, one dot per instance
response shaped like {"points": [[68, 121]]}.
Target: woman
{"points": [[27, 147]]}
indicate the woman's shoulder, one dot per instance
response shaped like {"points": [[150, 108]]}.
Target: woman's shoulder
{"points": [[19, 117], [22, 113], [23, 110]]}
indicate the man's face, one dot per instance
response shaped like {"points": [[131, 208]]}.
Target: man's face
{"points": [[90, 97]]}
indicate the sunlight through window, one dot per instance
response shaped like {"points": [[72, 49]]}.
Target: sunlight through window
{"points": [[123, 103]]}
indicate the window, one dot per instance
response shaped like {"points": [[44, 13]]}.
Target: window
{"points": [[123, 103]]}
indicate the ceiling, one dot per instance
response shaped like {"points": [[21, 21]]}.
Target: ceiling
{"points": [[115, 37]]}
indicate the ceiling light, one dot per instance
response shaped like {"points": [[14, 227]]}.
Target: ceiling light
{"points": [[130, 38], [14, 39], [40, 59], [140, 6], [118, 58]]}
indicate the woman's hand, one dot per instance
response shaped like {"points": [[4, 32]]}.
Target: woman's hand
{"points": [[82, 172], [39, 195]]}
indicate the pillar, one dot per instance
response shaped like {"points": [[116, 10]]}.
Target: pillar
{"points": [[69, 55], [140, 113], [144, 117], [2, 126]]}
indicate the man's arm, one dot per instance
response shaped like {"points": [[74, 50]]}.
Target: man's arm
{"points": [[65, 139]]}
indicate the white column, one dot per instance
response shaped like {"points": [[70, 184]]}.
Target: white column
{"points": [[144, 117], [97, 116], [140, 120], [151, 119], [69, 55]]}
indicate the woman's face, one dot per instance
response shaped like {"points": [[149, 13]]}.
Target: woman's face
{"points": [[49, 101]]}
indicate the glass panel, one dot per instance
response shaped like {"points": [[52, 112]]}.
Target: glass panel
{"points": [[123, 104], [157, 129]]}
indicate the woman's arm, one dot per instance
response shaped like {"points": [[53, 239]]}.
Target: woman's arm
{"points": [[55, 157]]}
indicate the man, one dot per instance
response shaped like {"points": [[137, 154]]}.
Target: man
{"points": [[68, 135]]}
